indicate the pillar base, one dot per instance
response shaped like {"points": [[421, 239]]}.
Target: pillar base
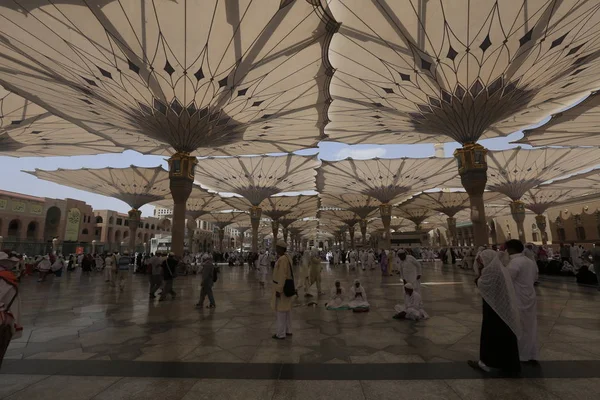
{"points": [[517, 210]]}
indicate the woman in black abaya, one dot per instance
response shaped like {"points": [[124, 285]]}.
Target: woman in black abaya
{"points": [[501, 325]]}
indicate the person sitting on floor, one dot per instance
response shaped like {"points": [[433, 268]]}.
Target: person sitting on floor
{"points": [[413, 305], [358, 295], [338, 301]]}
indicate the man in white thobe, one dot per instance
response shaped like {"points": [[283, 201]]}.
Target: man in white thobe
{"points": [[413, 305], [523, 272], [410, 270]]}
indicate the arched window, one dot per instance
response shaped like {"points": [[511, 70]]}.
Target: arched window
{"points": [[99, 220], [32, 230], [152, 227], [580, 232], [14, 229], [111, 220], [84, 232], [147, 226], [561, 234]]}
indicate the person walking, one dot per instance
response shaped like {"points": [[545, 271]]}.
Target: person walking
{"points": [[209, 275], [124, 264], [169, 267], [281, 301], [156, 274]]}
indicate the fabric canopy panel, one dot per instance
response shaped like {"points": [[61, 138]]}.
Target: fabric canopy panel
{"points": [[491, 211], [577, 126], [415, 214], [277, 207], [387, 180], [513, 172], [414, 71], [200, 202], [225, 218], [257, 178], [28, 130], [206, 77], [543, 197], [362, 205], [338, 216], [448, 203], [135, 186], [589, 182]]}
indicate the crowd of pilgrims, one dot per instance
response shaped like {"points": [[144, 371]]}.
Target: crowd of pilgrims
{"points": [[505, 276]]}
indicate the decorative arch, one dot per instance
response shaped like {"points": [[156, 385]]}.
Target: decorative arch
{"points": [[147, 226], [99, 220], [14, 229], [52, 223], [85, 232], [32, 230]]}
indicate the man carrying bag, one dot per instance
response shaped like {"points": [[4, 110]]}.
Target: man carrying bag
{"points": [[283, 291]]}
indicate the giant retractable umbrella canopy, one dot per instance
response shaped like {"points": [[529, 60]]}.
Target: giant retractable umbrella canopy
{"points": [[449, 203], [362, 205], [492, 211], [222, 219], [432, 71], [256, 178], [133, 185], [199, 203], [415, 214], [180, 78], [513, 172], [347, 217], [541, 198], [279, 208], [389, 180], [29, 130], [576, 126]]}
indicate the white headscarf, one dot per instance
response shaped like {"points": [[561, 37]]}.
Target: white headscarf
{"points": [[496, 288]]}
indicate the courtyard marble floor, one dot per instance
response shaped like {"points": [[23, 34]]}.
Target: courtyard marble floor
{"points": [[85, 340]]}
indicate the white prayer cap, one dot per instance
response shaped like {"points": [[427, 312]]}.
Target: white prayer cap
{"points": [[282, 244], [401, 251], [408, 286]]}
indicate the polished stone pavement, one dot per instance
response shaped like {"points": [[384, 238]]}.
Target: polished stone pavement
{"points": [[85, 340]]}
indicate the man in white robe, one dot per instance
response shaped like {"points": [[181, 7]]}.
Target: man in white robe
{"points": [[523, 272], [371, 259], [364, 255], [410, 270], [413, 305]]}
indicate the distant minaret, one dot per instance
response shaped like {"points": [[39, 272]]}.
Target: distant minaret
{"points": [[439, 149]]}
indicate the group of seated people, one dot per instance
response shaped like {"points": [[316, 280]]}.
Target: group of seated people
{"points": [[355, 299]]}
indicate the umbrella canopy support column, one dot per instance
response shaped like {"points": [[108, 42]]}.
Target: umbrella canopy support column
{"points": [[135, 216], [493, 231], [540, 221], [472, 167], [221, 237], [255, 214], [275, 228], [285, 235], [385, 210], [351, 232], [363, 231], [517, 210], [452, 229], [181, 181]]}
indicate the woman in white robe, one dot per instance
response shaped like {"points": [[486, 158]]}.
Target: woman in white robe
{"points": [[338, 298], [358, 297]]}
